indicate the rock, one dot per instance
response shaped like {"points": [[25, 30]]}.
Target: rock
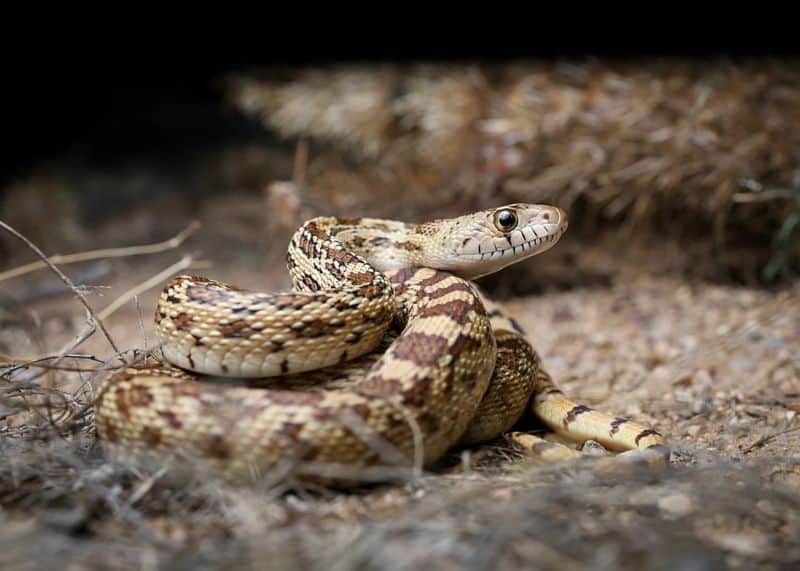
{"points": [[592, 448], [742, 544], [68, 520], [676, 505]]}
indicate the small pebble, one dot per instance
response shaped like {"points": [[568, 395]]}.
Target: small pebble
{"points": [[68, 520], [768, 508], [701, 405], [592, 448], [676, 505], [742, 544]]}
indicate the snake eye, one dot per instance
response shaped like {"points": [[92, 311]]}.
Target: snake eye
{"points": [[505, 220]]}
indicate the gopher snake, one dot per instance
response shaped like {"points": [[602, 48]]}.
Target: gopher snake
{"points": [[383, 350]]}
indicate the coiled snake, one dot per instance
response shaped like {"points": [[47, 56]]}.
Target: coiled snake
{"points": [[384, 354]]}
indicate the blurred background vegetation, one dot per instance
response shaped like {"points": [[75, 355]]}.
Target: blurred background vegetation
{"points": [[698, 160]]}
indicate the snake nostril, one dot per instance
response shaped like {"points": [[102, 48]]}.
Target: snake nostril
{"points": [[546, 216]]}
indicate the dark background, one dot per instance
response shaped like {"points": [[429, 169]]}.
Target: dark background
{"points": [[100, 105]]}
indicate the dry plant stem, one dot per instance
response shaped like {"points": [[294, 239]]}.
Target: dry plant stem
{"points": [[419, 450], [88, 384], [68, 349], [300, 166], [24, 392], [141, 321], [63, 278], [145, 487], [182, 264], [764, 196], [42, 363], [768, 438], [157, 279], [92, 274], [170, 244]]}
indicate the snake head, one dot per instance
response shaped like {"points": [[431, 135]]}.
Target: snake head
{"points": [[487, 241]]}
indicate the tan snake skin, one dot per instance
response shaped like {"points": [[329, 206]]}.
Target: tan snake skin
{"points": [[384, 354]]}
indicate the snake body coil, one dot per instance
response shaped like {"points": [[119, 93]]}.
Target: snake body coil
{"points": [[384, 354]]}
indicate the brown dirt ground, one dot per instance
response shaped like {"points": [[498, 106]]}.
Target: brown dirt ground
{"points": [[715, 368]]}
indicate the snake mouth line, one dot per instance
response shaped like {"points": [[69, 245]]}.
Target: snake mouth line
{"points": [[549, 239]]}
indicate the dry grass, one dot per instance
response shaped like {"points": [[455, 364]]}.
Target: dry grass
{"points": [[62, 503], [684, 150]]}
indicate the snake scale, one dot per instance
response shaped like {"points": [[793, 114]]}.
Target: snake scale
{"points": [[384, 353]]}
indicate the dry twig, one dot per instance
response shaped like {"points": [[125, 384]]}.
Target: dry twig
{"points": [[135, 291], [123, 252], [63, 278]]}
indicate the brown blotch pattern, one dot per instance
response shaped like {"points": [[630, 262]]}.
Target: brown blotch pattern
{"points": [[342, 256], [171, 418], [615, 424], [417, 395], [313, 229], [291, 430], [207, 294], [457, 309], [464, 344], [304, 244], [294, 397], [341, 305], [426, 229], [402, 277], [457, 286], [380, 386], [380, 241], [109, 431], [354, 337], [311, 283], [645, 433], [409, 246], [361, 278], [288, 300], [371, 291], [421, 349], [334, 270], [234, 329], [218, 448], [139, 396], [348, 221], [185, 389], [152, 435], [362, 410], [573, 414], [314, 329]]}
